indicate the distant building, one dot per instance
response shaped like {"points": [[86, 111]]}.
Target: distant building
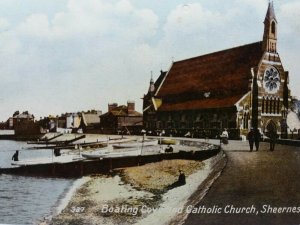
{"points": [[236, 88], [90, 121], [3, 125], [121, 119], [24, 124], [72, 120], [68, 122]]}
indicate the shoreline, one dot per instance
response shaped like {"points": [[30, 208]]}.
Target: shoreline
{"points": [[64, 201], [117, 191]]}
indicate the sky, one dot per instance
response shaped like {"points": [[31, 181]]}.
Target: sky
{"points": [[61, 56]]}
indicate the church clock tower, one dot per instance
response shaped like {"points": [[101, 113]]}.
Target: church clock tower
{"points": [[272, 82]]}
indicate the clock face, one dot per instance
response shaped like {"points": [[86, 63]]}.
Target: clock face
{"points": [[271, 80]]}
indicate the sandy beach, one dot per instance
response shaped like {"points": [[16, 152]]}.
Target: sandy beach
{"points": [[135, 195]]}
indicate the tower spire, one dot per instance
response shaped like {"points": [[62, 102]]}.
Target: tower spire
{"points": [[151, 86], [270, 15], [270, 30]]}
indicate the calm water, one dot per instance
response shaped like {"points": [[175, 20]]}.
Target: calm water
{"points": [[24, 200]]}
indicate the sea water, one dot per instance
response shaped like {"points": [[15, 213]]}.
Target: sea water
{"points": [[25, 199]]}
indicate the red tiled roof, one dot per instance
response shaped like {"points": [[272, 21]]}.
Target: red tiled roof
{"points": [[224, 76]]}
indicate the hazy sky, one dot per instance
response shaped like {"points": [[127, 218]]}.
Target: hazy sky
{"points": [[70, 55]]}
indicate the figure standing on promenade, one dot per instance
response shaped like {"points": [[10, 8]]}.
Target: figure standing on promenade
{"points": [[273, 137], [250, 137], [15, 157], [257, 136], [169, 149], [225, 136], [181, 178]]}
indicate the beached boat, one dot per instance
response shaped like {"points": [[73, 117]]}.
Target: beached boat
{"points": [[96, 154], [137, 144], [109, 154], [168, 142], [48, 160]]}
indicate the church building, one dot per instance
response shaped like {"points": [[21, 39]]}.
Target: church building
{"points": [[236, 89]]}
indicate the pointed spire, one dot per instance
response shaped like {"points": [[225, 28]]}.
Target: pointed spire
{"points": [[151, 80], [270, 13], [151, 86], [270, 30]]}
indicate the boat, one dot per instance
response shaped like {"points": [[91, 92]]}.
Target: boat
{"points": [[109, 154], [96, 154], [168, 142], [137, 144], [48, 160]]}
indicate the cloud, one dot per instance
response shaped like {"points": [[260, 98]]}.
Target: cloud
{"points": [[85, 54], [4, 24], [290, 13], [91, 18], [81, 53]]}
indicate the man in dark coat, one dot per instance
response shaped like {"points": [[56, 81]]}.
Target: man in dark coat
{"points": [[257, 136], [15, 157], [181, 178], [273, 137], [250, 138]]}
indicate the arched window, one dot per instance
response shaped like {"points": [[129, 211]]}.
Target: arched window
{"points": [[278, 105], [274, 106], [267, 105], [263, 105], [271, 105], [273, 27], [245, 120]]}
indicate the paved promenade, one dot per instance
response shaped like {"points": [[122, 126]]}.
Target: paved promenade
{"points": [[262, 181]]}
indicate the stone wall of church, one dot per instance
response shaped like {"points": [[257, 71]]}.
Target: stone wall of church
{"points": [[271, 101], [199, 123]]}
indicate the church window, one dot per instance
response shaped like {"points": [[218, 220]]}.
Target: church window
{"points": [[183, 117], [158, 125], [273, 27], [263, 105], [274, 106], [278, 105], [267, 105], [245, 120]]}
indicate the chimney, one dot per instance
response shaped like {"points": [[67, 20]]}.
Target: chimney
{"points": [[130, 107], [112, 106]]}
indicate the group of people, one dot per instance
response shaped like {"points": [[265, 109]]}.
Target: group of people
{"points": [[254, 137]]}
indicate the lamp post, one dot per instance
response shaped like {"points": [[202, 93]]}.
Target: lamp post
{"points": [[143, 133], [283, 123]]}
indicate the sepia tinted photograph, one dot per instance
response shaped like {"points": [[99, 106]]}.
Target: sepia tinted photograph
{"points": [[143, 112]]}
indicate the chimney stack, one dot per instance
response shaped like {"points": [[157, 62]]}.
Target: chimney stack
{"points": [[130, 107], [112, 106]]}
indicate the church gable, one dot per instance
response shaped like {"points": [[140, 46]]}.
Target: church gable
{"points": [[215, 80]]}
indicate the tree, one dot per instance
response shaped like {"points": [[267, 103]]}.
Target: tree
{"points": [[16, 113]]}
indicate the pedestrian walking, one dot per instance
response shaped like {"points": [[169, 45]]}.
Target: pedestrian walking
{"points": [[273, 137], [257, 137], [250, 137]]}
